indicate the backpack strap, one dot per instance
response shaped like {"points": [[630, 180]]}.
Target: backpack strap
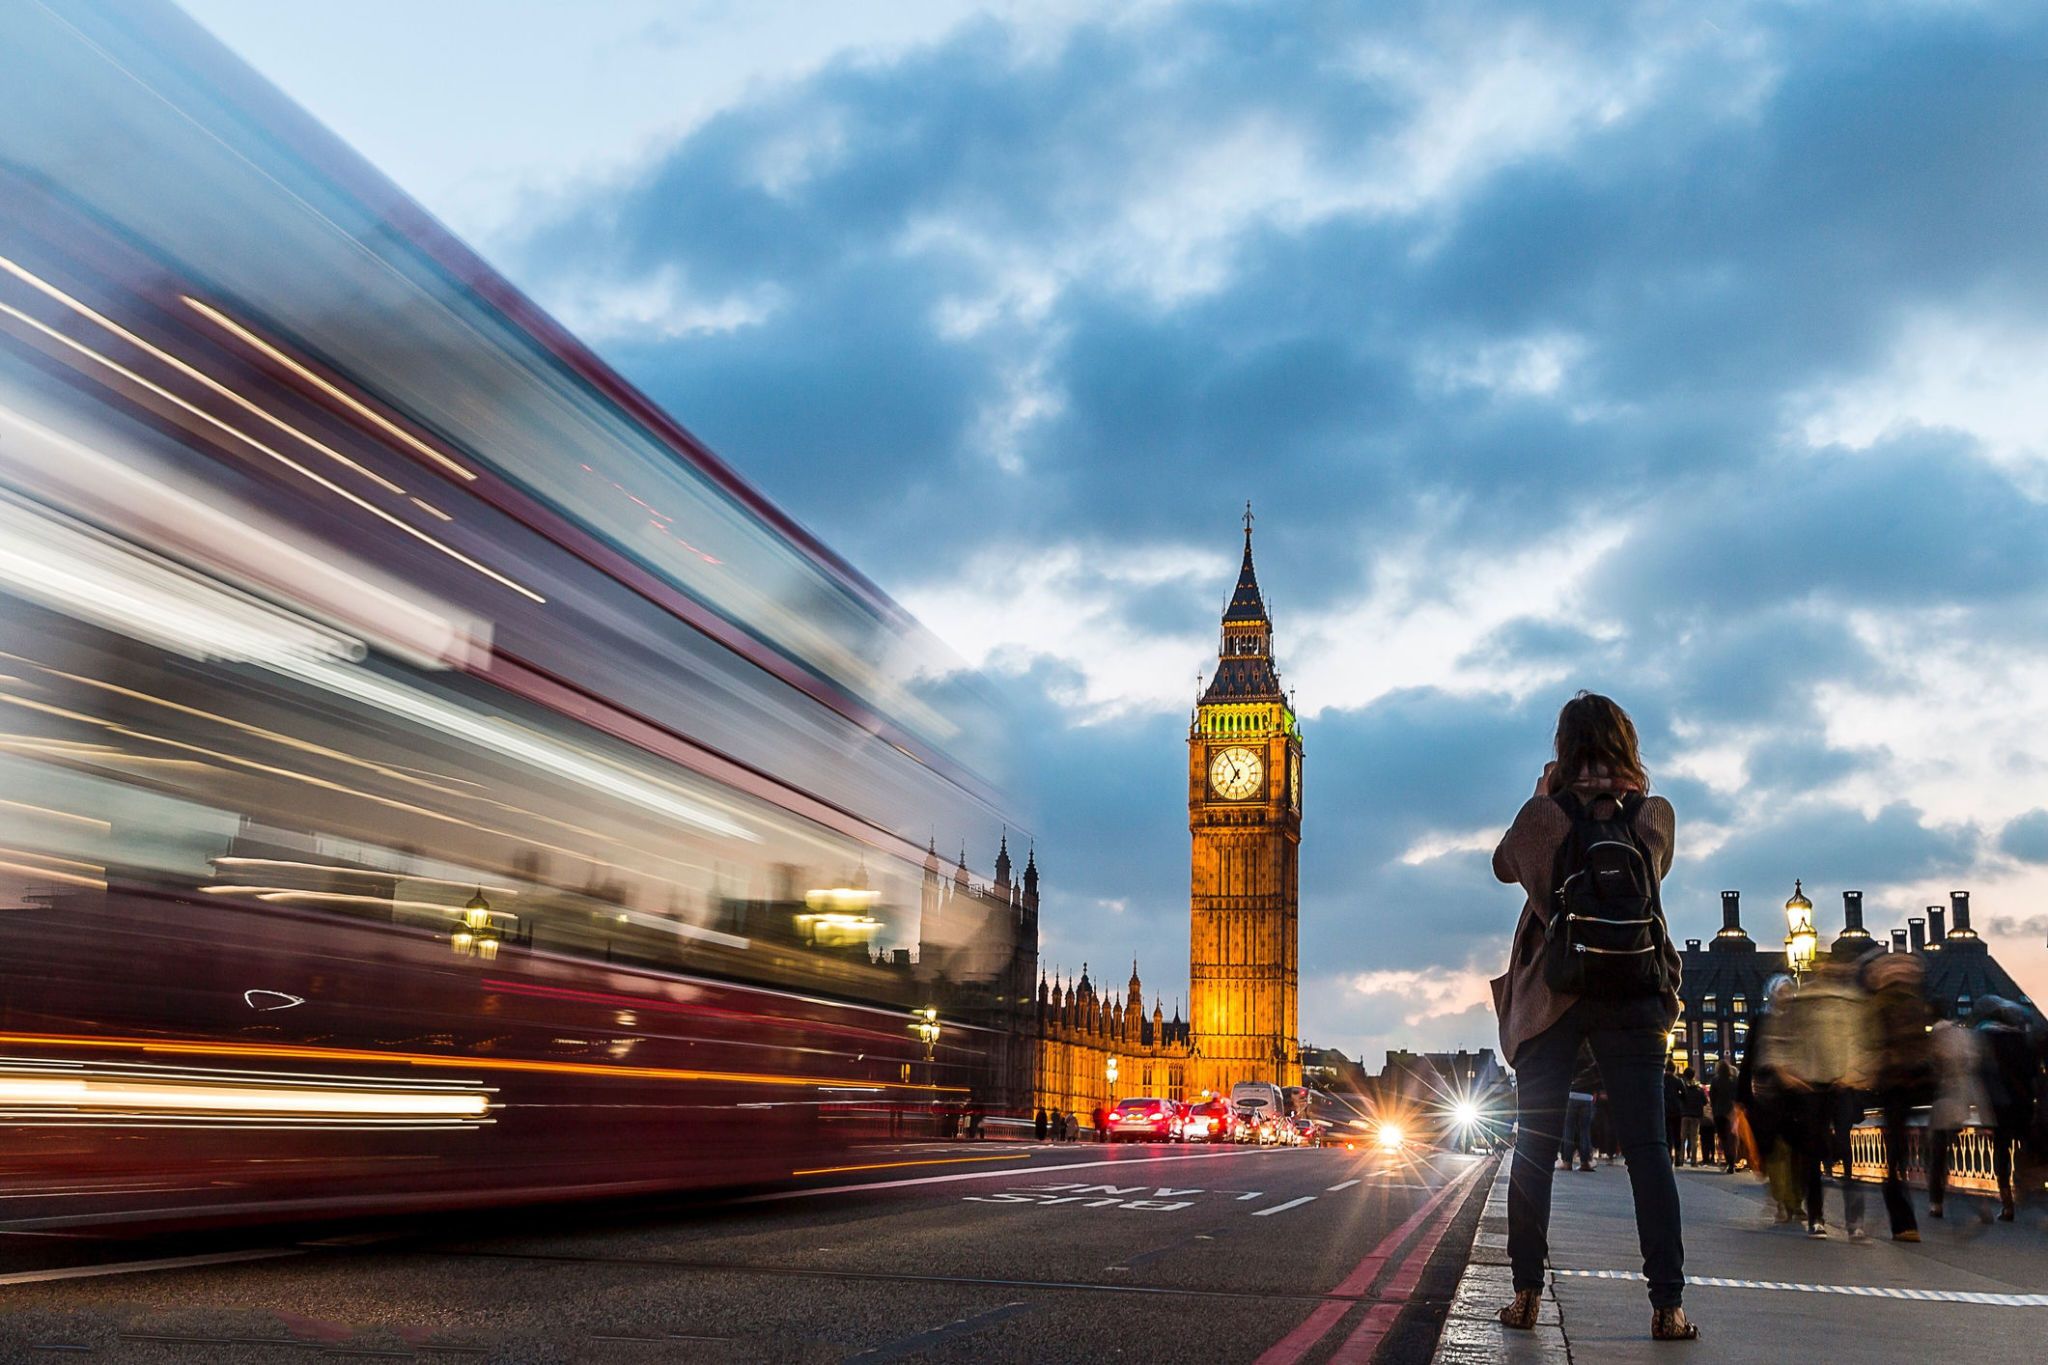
{"points": [[1574, 811]]}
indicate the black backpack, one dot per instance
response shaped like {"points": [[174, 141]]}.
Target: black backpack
{"points": [[1606, 934]]}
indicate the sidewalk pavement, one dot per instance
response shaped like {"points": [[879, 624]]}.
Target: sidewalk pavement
{"points": [[1760, 1292]]}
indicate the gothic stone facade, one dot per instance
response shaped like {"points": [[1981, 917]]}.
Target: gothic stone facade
{"points": [[978, 946]]}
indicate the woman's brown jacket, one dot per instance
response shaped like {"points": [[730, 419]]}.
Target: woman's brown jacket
{"points": [[1527, 854]]}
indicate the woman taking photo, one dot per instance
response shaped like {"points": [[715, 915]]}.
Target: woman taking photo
{"points": [[1591, 962]]}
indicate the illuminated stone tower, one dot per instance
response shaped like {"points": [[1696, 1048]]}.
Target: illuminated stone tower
{"points": [[1244, 813]]}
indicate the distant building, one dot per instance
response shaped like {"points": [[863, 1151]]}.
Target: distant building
{"points": [[1724, 982], [1435, 1079], [1053, 1048]]}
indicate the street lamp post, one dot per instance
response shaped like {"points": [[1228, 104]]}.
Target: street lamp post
{"points": [[1109, 1071], [928, 1033], [1801, 942]]}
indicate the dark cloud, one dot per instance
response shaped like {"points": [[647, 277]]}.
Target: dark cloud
{"points": [[2026, 837], [2008, 926], [1752, 225], [1831, 847]]}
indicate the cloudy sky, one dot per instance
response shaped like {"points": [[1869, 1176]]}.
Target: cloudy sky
{"points": [[1687, 352]]}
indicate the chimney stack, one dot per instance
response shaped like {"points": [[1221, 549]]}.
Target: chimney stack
{"points": [[1937, 925], [1898, 940], [1731, 912], [1852, 913], [1959, 922], [1916, 932], [1692, 945]]}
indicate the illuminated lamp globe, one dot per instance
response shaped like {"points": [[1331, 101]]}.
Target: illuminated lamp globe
{"points": [[1802, 944]]}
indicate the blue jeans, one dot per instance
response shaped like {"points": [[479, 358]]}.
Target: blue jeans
{"points": [[1628, 1043]]}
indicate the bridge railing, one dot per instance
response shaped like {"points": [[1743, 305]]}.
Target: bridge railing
{"points": [[1969, 1155]]}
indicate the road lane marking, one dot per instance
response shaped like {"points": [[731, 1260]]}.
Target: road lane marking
{"points": [[1364, 1341], [929, 1161], [777, 1196], [1046, 1201], [1345, 1186], [1321, 1321], [923, 1341], [1282, 1208], [1366, 1271], [1863, 1291], [87, 1272]]}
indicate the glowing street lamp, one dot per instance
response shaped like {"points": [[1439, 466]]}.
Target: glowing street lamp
{"points": [[1802, 944], [1109, 1070], [478, 936], [927, 1027]]}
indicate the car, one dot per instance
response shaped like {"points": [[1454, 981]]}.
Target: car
{"points": [[1259, 1107], [1207, 1121], [1144, 1119]]}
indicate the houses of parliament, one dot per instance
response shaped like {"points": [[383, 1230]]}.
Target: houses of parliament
{"points": [[1061, 1041]]}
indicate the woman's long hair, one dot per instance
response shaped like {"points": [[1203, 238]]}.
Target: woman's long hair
{"points": [[1593, 733]]}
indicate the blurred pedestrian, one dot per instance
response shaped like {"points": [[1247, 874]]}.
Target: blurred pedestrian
{"points": [[1674, 1113], [1039, 1124], [1958, 1102], [1692, 1106], [1760, 1095], [1102, 1123], [1822, 1039], [1721, 1109], [2008, 1070], [1578, 1111], [1706, 1126], [1073, 1127], [1905, 1071], [1589, 849], [1604, 1140]]}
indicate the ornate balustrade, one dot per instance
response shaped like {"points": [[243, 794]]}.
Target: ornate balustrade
{"points": [[1969, 1155]]}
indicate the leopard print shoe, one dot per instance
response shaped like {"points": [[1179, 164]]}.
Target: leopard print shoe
{"points": [[1669, 1324], [1521, 1314]]}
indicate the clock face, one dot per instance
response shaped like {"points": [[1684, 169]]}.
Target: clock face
{"points": [[1294, 780], [1236, 773]]}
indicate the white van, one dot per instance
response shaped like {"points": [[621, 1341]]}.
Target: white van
{"points": [[1259, 1109]]}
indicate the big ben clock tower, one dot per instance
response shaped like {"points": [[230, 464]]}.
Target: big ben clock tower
{"points": [[1244, 813]]}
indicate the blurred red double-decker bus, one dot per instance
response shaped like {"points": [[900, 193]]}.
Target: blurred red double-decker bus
{"points": [[427, 775]]}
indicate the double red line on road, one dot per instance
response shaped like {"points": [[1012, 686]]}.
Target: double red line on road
{"points": [[1358, 1348]]}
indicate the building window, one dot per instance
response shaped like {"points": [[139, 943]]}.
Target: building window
{"points": [[1962, 1007], [1707, 1004], [1678, 1038], [1738, 1004]]}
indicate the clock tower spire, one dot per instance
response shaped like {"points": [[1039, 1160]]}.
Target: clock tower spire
{"points": [[1244, 819]]}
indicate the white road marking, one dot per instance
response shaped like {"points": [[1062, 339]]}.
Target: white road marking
{"points": [[86, 1272], [1864, 1291], [1345, 1186], [1282, 1208], [1006, 1173]]}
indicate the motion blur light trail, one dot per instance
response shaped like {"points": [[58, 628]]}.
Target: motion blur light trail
{"points": [[467, 1063], [394, 700], [90, 1095], [895, 1165]]}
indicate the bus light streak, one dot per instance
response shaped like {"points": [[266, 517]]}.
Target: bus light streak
{"points": [[423, 1059], [896, 1165]]}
